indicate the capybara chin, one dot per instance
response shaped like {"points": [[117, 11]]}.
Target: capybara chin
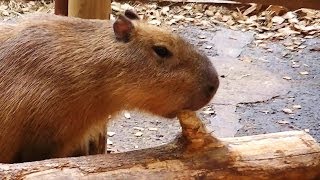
{"points": [[61, 77]]}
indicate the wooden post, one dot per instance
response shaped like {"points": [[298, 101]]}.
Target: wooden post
{"points": [[90, 9], [61, 7]]}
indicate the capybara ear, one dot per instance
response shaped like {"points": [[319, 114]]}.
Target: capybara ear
{"points": [[122, 28], [131, 15]]}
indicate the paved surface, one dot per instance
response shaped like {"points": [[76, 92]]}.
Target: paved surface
{"points": [[251, 96]]}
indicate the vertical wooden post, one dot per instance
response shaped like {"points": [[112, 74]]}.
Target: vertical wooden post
{"points": [[61, 7], [90, 9]]}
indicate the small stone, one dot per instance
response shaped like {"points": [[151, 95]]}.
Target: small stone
{"points": [[109, 142], [208, 47], [286, 78], [136, 147], [202, 37], [304, 72], [138, 128], [127, 115], [138, 134], [209, 112], [287, 111], [283, 122], [307, 130], [153, 129], [110, 134], [297, 106], [295, 65]]}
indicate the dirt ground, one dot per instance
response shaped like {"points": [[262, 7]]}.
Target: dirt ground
{"points": [[252, 96]]}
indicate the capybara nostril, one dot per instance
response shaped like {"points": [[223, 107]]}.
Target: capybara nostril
{"points": [[211, 89]]}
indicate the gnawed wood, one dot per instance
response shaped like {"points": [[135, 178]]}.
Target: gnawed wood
{"points": [[285, 155]]}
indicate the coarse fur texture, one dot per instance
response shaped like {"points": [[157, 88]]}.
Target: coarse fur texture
{"points": [[61, 77]]}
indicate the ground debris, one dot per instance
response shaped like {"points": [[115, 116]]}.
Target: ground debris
{"points": [[275, 22]]}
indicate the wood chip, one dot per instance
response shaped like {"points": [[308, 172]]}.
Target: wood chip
{"points": [[153, 129], [110, 134], [127, 115], [109, 142], [304, 72], [297, 106], [138, 134], [287, 111], [283, 122], [286, 78]]}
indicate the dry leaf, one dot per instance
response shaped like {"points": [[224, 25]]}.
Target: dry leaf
{"points": [[278, 19]]}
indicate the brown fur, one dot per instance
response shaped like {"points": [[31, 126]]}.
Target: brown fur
{"points": [[61, 77]]}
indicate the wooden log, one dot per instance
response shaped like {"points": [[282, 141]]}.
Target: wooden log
{"points": [[284, 155], [61, 7], [90, 9]]}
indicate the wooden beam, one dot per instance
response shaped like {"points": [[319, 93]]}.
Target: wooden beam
{"points": [[196, 154]]}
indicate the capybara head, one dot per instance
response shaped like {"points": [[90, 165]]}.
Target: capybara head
{"points": [[167, 74]]}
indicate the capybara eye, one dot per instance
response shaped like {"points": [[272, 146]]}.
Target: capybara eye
{"points": [[162, 51]]}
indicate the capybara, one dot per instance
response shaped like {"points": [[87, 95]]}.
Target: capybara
{"points": [[61, 77]]}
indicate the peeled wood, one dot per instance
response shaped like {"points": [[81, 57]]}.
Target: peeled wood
{"points": [[193, 155], [90, 9]]}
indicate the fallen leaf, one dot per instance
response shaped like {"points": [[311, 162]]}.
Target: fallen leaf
{"points": [[278, 19]]}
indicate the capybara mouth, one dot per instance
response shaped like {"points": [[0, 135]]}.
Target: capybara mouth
{"points": [[171, 115]]}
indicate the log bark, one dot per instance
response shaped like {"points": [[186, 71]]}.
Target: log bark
{"points": [[90, 9], [193, 155]]}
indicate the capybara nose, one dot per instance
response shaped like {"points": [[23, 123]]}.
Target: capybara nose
{"points": [[210, 90], [213, 84]]}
